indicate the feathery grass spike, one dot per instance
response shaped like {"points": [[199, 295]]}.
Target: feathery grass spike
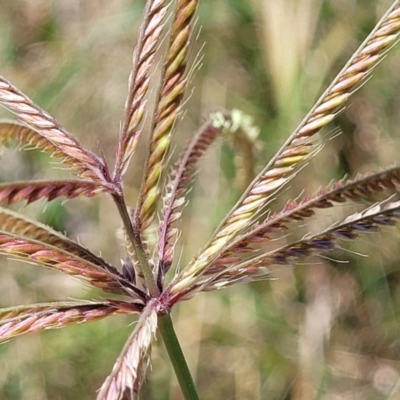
{"points": [[18, 224], [235, 124], [369, 188], [168, 108], [242, 136], [237, 271], [13, 133], [299, 145], [25, 137], [46, 255], [134, 263], [177, 187], [139, 79], [241, 249], [85, 163], [129, 371], [15, 321], [367, 221], [49, 190]]}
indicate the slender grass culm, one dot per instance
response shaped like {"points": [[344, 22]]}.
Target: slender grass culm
{"points": [[259, 237]]}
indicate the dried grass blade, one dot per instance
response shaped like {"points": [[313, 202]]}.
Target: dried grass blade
{"points": [[168, 108], [15, 321], [31, 191], [300, 144], [129, 371], [143, 60], [82, 161]]}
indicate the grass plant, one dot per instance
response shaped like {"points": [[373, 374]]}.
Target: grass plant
{"points": [[257, 238]]}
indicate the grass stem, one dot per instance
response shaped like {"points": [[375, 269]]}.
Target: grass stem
{"points": [[138, 247], [177, 358]]}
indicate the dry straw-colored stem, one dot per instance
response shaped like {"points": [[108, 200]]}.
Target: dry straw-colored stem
{"points": [[167, 109], [300, 144]]}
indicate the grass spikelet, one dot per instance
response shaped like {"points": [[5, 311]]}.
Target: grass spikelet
{"points": [[48, 256], [368, 188], [20, 225], [168, 107], [85, 163], [368, 221], [131, 266], [248, 244], [129, 371], [13, 133], [242, 136], [239, 130], [25, 137], [143, 59], [300, 145], [49, 190], [180, 179], [15, 321]]}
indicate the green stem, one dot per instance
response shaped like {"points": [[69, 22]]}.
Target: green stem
{"points": [[137, 245], [177, 358]]}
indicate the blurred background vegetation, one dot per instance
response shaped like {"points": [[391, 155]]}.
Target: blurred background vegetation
{"points": [[325, 330]]}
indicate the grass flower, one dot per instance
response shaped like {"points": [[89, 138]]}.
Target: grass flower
{"points": [[248, 242]]}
